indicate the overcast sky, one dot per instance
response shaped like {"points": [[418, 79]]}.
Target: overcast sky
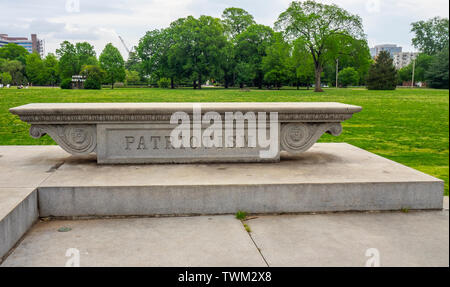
{"points": [[102, 21]]}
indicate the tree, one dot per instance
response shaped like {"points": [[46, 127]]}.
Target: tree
{"points": [[437, 74], [85, 54], [94, 77], [68, 60], [131, 77], [382, 74], [15, 69], [251, 47], [51, 69], [348, 77], [347, 52], [133, 62], [34, 69], [198, 46], [151, 49], [275, 63], [301, 64], [72, 58], [421, 65], [431, 36], [5, 78], [319, 25], [12, 51], [112, 62], [236, 21]]}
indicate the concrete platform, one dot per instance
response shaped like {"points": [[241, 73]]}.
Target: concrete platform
{"points": [[418, 238], [402, 239], [329, 177], [22, 169], [182, 241]]}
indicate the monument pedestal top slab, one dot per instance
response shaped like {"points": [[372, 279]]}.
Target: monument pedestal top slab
{"points": [[206, 132]]}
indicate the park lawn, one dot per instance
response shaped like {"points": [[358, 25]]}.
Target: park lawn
{"points": [[408, 126]]}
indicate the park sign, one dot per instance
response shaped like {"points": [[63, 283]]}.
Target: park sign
{"points": [[122, 133]]}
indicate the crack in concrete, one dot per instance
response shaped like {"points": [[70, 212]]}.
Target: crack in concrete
{"points": [[256, 245]]}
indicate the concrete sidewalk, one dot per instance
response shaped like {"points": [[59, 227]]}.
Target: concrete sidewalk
{"points": [[417, 238]]}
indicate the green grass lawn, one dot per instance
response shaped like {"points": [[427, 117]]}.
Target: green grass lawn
{"points": [[407, 126]]}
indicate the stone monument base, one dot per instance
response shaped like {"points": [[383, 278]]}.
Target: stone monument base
{"points": [[329, 177]]}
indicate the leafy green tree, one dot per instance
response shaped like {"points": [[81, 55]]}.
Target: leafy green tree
{"points": [[72, 58], [382, 73], [319, 25], [5, 78], [16, 69], [85, 54], [112, 62], [275, 63], [437, 74], [131, 77], [12, 51], [348, 77], [301, 64], [198, 46], [151, 49], [236, 21], [228, 64], [421, 65], [94, 77], [68, 60], [431, 36], [347, 52], [51, 74], [250, 49], [133, 62], [34, 69]]}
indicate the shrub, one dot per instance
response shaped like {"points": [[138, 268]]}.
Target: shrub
{"points": [[164, 83], [119, 85], [348, 77], [132, 77], [66, 83], [382, 73], [5, 78], [94, 77]]}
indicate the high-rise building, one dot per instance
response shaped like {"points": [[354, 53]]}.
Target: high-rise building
{"points": [[390, 48], [403, 59], [31, 45]]}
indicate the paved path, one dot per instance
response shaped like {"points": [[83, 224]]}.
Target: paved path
{"points": [[342, 239]]}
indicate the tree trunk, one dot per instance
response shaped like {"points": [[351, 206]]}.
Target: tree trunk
{"points": [[199, 81], [171, 83], [226, 81], [318, 71], [194, 84]]}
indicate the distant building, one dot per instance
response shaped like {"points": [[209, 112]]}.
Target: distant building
{"points": [[390, 48], [31, 45], [403, 59]]}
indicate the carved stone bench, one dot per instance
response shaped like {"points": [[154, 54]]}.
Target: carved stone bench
{"points": [[141, 132]]}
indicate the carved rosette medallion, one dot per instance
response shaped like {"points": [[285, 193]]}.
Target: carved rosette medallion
{"points": [[299, 137], [75, 139]]}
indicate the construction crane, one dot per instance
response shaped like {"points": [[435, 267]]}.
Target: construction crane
{"points": [[126, 48]]}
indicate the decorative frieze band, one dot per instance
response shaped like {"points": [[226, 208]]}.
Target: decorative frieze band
{"points": [[93, 118]]}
